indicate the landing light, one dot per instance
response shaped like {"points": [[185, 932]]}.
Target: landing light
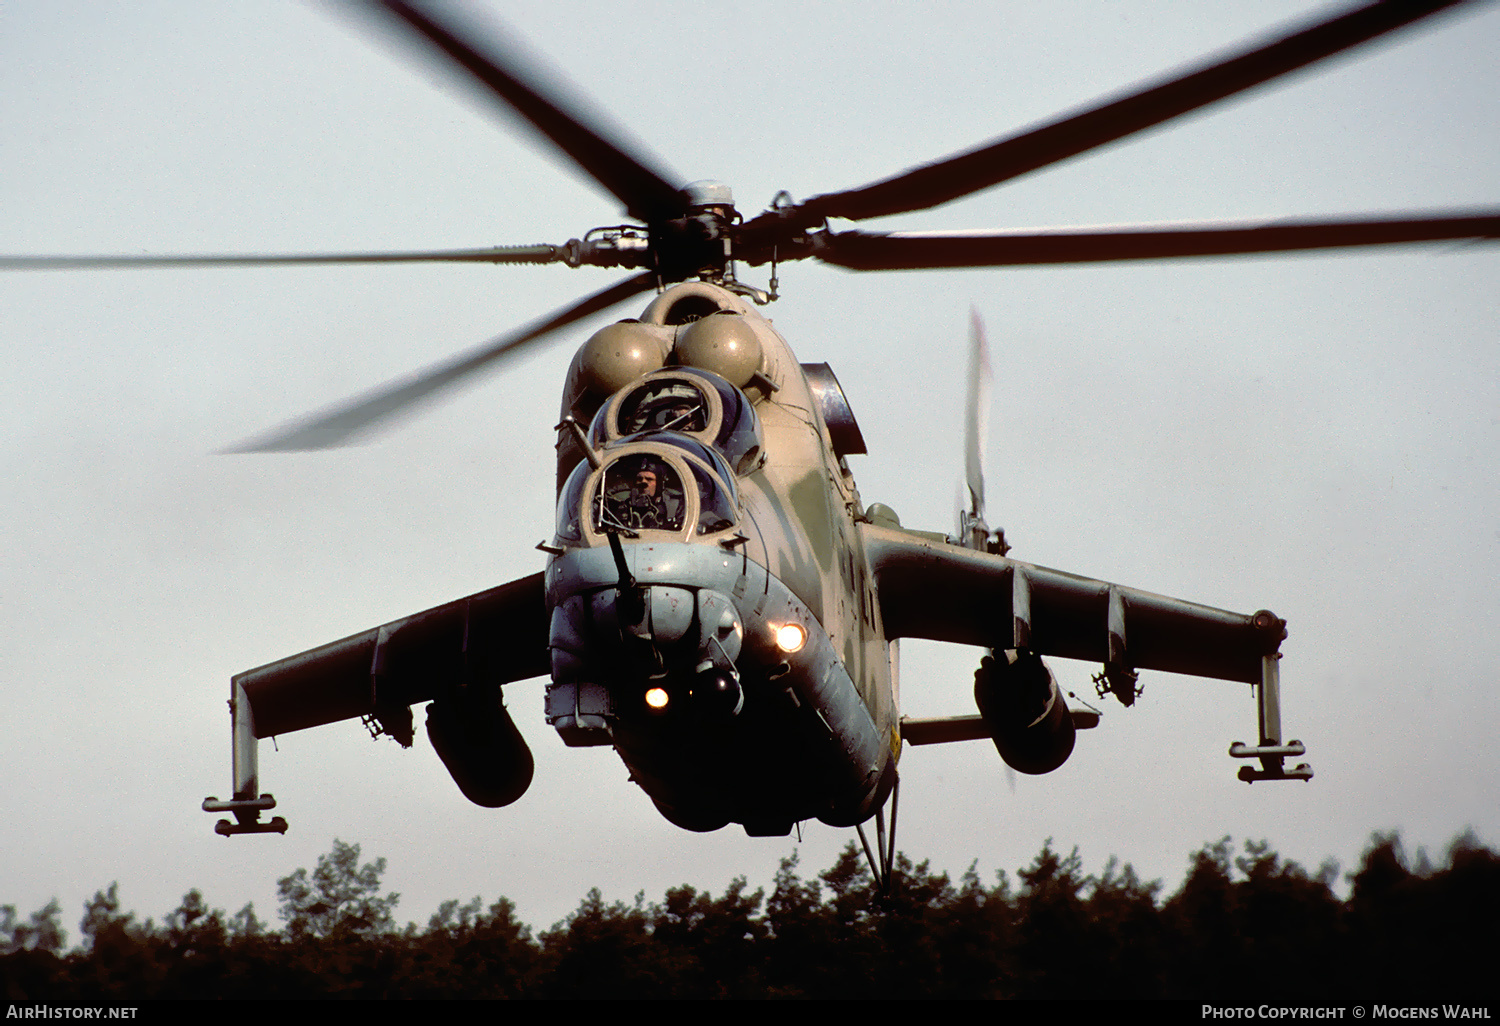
{"points": [[657, 698], [790, 637]]}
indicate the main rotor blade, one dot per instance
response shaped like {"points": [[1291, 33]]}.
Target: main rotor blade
{"points": [[646, 192], [946, 180], [340, 425], [539, 254], [892, 251]]}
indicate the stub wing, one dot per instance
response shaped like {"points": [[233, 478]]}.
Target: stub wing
{"points": [[929, 589], [492, 637], [948, 593]]}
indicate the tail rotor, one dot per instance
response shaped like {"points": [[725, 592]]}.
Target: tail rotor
{"points": [[973, 530]]}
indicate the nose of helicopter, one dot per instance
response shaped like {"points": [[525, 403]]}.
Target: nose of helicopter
{"points": [[708, 657], [659, 636]]}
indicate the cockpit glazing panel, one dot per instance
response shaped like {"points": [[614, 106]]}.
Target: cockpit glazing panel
{"points": [[689, 401], [657, 482]]}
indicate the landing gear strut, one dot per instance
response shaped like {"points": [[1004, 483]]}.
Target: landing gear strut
{"points": [[882, 867]]}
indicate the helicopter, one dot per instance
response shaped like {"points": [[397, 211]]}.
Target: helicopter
{"points": [[683, 246]]}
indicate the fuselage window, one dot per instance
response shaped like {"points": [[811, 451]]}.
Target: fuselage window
{"points": [[570, 504], [716, 510]]}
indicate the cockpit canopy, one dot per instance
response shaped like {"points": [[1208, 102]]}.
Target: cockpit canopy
{"points": [[659, 481], [688, 401], [663, 405]]}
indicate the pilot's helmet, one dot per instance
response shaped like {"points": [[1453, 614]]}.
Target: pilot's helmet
{"points": [[645, 470]]}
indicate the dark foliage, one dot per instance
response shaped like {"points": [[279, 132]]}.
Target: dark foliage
{"points": [[1249, 926]]}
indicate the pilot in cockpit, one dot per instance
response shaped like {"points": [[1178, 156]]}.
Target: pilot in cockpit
{"points": [[645, 500], [678, 416], [673, 406]]}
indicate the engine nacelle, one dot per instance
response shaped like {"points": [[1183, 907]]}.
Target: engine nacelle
{"points": [[1024, 711], [479, 743]]}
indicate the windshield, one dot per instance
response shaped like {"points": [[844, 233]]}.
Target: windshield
{"points": [[664, 406], [639, 492], [689, 401]]}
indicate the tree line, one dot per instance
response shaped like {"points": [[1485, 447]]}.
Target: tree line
{"points": [[1245, 925]]}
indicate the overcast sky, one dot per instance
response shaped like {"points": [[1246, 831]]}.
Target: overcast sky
{"points": [[1317, 435]]}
